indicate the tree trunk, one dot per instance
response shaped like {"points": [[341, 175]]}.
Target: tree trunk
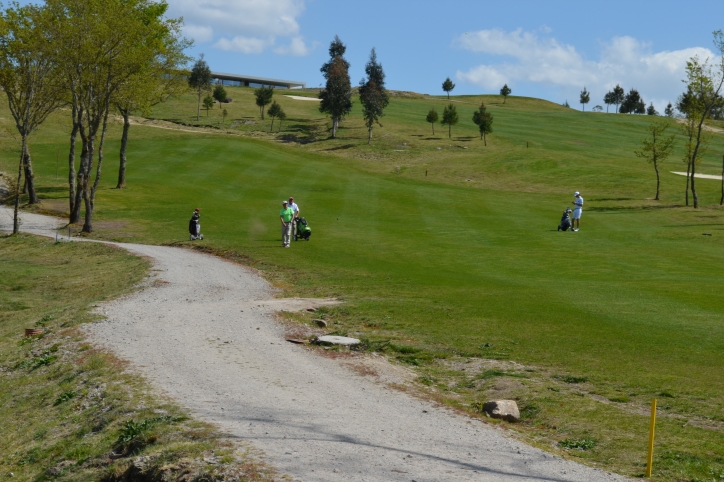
{"points": [[262, 112], [75, 213], [71, 165], [485, 140], [722, 181], [688, 168], [658, 180], [29, 176], [693, 161], [449, 131], [272, 126], [334, 127], [16, 220], [124, 144], [369, 136], [433, 128], [198, 108], [86, 188]]}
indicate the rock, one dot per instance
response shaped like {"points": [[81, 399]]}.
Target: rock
{"points": [[337, 340], [502, 409], [311, 310], [320, 323]]}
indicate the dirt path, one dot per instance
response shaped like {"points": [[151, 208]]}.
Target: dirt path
{"points": [[699, 176], [203, 331]]}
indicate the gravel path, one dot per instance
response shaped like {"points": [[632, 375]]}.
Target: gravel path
{"points": [[203, 331]]}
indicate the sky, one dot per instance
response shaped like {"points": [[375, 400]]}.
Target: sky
{"points": [[549, 49]]}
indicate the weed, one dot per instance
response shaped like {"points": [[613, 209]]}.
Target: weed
{"points": [[620, 399], [133, 435], [666, 394], [570, 379], [529, 411], [580, 444], [64, 397], [490, 374], [37, 362], [426, 380]]}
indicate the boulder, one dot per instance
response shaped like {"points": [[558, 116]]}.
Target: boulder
{"points": [[320, 323], [503, 409], [337, 340]]}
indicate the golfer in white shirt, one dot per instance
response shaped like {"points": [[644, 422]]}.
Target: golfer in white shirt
{"points": [[295, 208], [577, 211]]}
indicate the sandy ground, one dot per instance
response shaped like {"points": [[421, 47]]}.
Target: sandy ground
{"points": [[699, 176], [203, 331], [299, 97]]}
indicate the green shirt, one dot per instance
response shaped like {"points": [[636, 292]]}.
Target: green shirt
{"points": [[287, 214]]}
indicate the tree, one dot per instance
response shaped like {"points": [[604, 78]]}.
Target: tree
{"points": [[585, 98], [618, 96], [200, 81], [372, 94], [609, 99], [449, 118], [484, 120], [219, 94], [273, 112], [263, 97], [336, 97], [704, 81], [208, 104], [565, 104], [432, 118], [657, 148], [505, 92], [448, 86], [282, 116], [651, 110], [224, 113], [633, 103], [669, 110], [164, 78], [31, 82], [99, 45]]}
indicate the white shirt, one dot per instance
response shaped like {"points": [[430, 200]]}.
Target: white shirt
{"points": [[578, 203], [295, 208]]}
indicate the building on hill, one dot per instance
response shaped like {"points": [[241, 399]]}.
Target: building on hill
{"points": [[236, 80]]}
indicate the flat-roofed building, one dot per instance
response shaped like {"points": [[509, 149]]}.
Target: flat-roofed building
{"points": [[250, 81]]}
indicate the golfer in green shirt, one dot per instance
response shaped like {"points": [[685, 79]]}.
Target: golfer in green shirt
{"points": [[286, 216]]}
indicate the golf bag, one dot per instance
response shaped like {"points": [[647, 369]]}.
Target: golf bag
{"points": [[565, 221], [303, 230], [195, 228]]}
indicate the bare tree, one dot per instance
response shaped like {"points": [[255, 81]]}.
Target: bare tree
{"points": [[657, 148]]}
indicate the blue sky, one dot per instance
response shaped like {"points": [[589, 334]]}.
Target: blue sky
{"points": [[547, 49]]}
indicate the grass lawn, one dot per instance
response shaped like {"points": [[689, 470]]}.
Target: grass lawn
{"points": [[462, 269]]}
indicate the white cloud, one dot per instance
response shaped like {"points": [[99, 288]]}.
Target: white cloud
{"points": [[248, 26], [296, 47], [624, 60], [247, 45]]}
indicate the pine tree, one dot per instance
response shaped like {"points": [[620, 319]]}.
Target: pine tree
{"points": [[372, 94], [651, 110], [618, 96], [505, 92], [484, 120], [585, 98], [608, 99], [208, 104], [336, 98], [432, 118], [448, 86], [669, 111], [263, 97], [200, 81], [273, 112], [449, 118], [219, 94]]}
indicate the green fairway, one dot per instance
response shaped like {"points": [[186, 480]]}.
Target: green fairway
{"points": [[465, 263]]}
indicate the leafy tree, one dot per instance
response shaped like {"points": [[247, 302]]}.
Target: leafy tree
{"points": [[219, 94], [31, 83], [263, 97], [484, 120], [505, 92], [449, 118], [282, 116], [585, 98], [657, 148], [100, 45], [200, 81], [372, 94], [273, 112], [618, 96], [162, 79], [432, 118], [336, 97], [669, 110], [651, 110], [208, 104], [448, 86], [704, 82], [632, 103], [609, 99]]}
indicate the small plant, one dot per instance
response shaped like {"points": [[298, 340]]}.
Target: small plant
{"points": [[570, 379], [529, 411], [580, 444], [620, 399], [64, 397], [490, 374], [426, 380], [133, 435], [666, 394]]}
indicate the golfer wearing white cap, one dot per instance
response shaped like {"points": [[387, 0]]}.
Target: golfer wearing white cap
{"points": [[577, 211], [286, 215]]}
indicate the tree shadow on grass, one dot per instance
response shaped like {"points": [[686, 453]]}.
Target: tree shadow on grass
{"points": [[616, 209], [339, 148]]}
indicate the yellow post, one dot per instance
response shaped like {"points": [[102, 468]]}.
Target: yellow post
{"points": [[652, 429]]}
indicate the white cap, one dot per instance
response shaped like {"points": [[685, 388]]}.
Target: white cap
{"points": [[285, 202], [576, 193]]}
